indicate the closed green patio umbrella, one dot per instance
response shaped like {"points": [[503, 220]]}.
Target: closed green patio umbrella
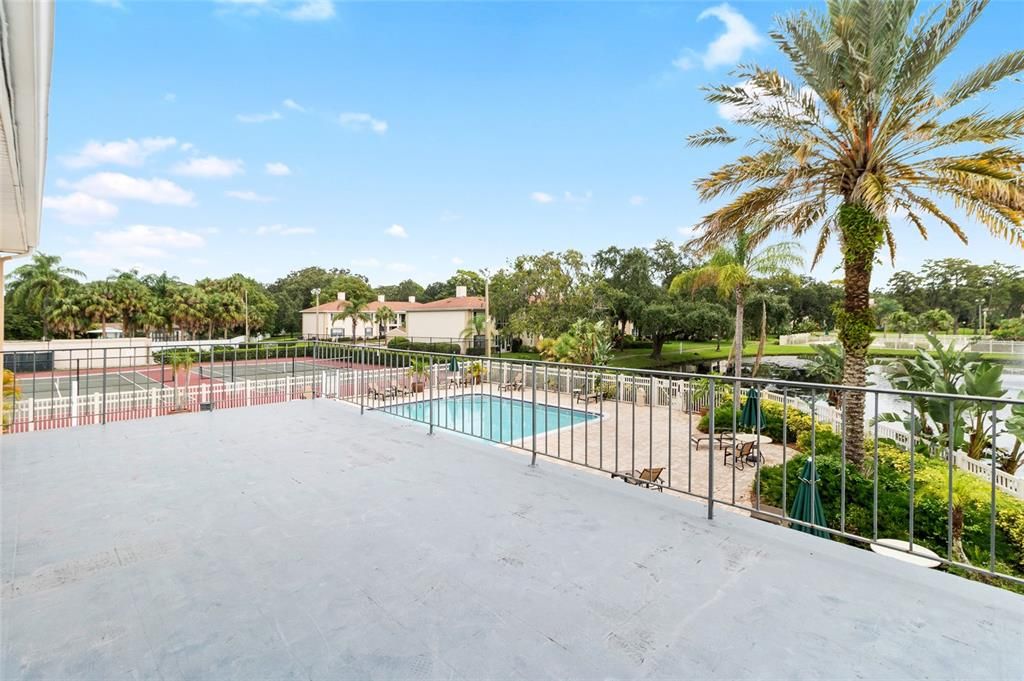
{"points": [[752, 415], [453, 364], [807, 504]]}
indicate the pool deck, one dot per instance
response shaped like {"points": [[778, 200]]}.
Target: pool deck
{"points": [[303, 540]]}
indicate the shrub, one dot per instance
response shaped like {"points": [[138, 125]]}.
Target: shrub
{"points": [[1010, 329], [930, 501], [796, 421]]}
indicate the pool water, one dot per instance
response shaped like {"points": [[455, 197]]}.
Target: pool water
{"points": [[493, 418]]}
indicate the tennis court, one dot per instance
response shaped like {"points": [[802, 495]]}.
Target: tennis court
{"points": [[59, 383]]}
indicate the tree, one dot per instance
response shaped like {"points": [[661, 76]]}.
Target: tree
{"points": [[131, 297], [935, 321], [38, 285], [885, 307], [549, 293], [186, 308], [355, 311], [67, 316], [476, 326], [863, 134], [99, 303], [292, 293], [902, 322], [401, 291], [704, 321], [385, 315], [732, 272]]}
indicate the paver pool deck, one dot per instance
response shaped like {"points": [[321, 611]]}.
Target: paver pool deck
{"points": [[303, 540]]}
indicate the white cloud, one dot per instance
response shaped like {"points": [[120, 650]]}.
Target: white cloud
{"points": [[362, 121], [246, 195], [187, 146], [542, 197], [121, 186], [78, 208], [283, 230], [457, 260], [258, 117], [293, 105], [450, 216], [170, 97], [400, 267], [209, 166], [126, 152], [277, 169], [728, 48], [312, 10], [397, 231], [366, 262], [127, 246], [569, 197], [637, 200]]}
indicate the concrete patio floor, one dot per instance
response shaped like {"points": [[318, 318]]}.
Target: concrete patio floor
{"points": [[302, 540]]}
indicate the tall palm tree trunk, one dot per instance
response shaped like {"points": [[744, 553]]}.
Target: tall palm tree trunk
{"points": [[862, 236], [737, 340]]}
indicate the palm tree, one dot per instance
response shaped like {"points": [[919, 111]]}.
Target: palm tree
{"points": [[864, 135], [475, 327], [732, 270], [67, 316], [39, 284], [902, 322], [385, 315], [186, 308], [99, 304], [131, 296], [356, 311]]}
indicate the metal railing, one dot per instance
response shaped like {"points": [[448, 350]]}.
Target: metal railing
{"points": [[610, 420], [626, 423]]}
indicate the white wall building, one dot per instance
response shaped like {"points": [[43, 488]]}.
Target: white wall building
{"points": [[441, 320]]}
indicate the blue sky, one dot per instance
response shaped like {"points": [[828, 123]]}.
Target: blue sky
{"points": [[403, 140]]}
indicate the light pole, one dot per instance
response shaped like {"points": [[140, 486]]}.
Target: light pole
{"points": [[316, 292], [977, 320], [246, 296]]}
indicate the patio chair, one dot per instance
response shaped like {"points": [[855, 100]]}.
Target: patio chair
{"points": [[373, 390], [396, 389], [586, 397], [739, 452], [648, 477], [516, 383]]}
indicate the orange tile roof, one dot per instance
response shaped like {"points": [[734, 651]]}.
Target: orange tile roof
{"points": [[464, 303]]}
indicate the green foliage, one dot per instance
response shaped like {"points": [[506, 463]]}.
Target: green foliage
{"points": [[402, 343], [796, 421], [1010, 329], [936, 321], [971, 495]]}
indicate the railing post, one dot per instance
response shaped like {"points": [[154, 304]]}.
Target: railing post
{"points": [[74, 403], [103, 418], [533, 415], [430, 395], [711, 448]]}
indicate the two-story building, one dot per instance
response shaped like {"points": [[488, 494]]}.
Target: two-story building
{"points": [[439, 320]]}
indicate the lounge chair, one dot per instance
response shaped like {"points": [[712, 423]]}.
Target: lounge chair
{"points": [[396, 389], [373, 390], [586, 397], [739, 453], [648, 477], [516, 383]]}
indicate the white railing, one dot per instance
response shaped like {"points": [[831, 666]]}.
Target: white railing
{"points": [[910, 341]]}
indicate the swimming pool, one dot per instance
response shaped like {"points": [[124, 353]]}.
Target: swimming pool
{"points": [[495, 418]]}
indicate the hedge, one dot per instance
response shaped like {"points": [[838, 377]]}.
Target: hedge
{"points": [[930, 503]]}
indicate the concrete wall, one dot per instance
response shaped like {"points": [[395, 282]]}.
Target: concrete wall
{"points": [[440, 324]]}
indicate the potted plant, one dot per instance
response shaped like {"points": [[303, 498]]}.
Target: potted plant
{"points": [[476, 372], [419, 370]]}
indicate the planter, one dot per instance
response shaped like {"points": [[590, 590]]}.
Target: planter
{"points": [[417, 386]]}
